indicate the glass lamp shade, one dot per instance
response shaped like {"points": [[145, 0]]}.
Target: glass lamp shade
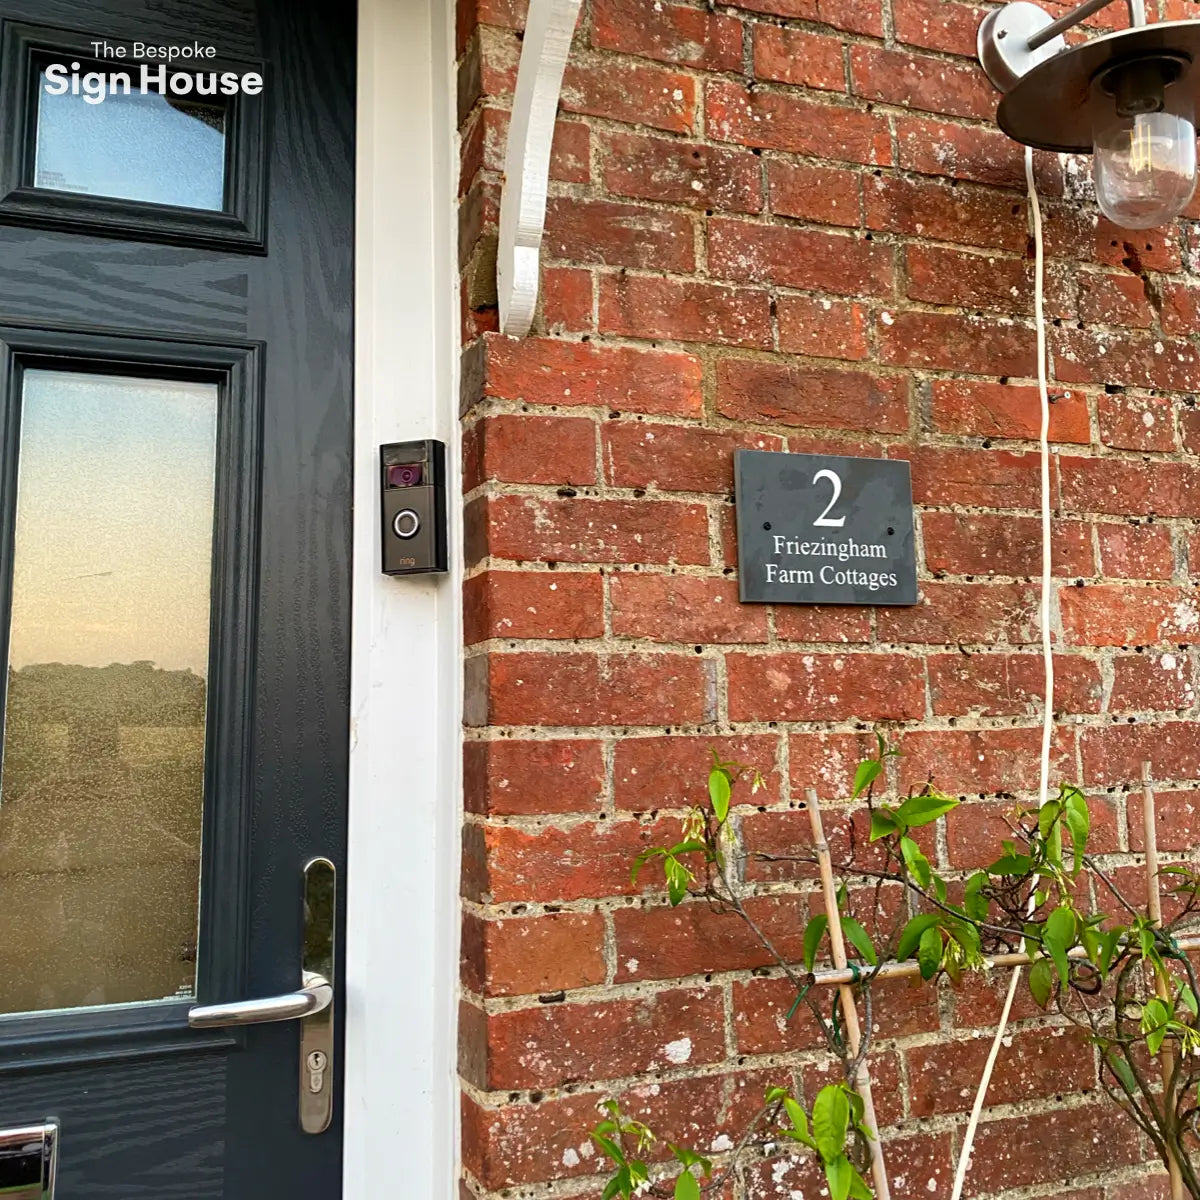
{"points": [[1144, 139]]}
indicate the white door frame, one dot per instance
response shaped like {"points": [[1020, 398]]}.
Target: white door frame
{"points": [[405, 737]]}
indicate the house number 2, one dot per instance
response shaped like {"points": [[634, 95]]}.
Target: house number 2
{"points": [[825, 518]]}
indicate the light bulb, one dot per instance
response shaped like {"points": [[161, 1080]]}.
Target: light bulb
{"points": [[1144, 143]]}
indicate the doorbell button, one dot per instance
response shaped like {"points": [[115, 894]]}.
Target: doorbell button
{"points": [[406, 523]]}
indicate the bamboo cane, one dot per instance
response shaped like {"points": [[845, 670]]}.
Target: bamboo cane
{"points": [[1154, 907], [862, 1079]]}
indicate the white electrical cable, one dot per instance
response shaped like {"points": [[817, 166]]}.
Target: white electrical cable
{"points": [[964, 1159]]}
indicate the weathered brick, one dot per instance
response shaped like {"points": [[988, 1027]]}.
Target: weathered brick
{"points": [[856, 16], [1180, 307], [671, 33], [619, 235], [1134, 359], [950, 342], [686, 311], [683, 608], [921, 81], [1009, 685], [1113, 614], [675, 458], [1007, 410], [814, 397], [626, 90], [529, 956], [980, 153], [672, 772], [940, 275], [567, 298], [534, 449], [969, 215], [977, 829], [987, 760], [782, 121], [1145, 682], [549, 371], [1114, 754], [1132, 550], [590, 689], [829, 195], [938, 25], [815, 687], [827, 761], [692, 173], [1107, 298], [569, 153], [1165, 489], [1072, 232], [1177, 820], [987, 544], [525, 777], [1137, 422], [986, 478], [795, 56], [822, 623], [822, 328], [949, 613], [525, 604]]}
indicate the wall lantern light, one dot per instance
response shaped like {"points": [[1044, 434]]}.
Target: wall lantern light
{"points": [[1128, 98]]}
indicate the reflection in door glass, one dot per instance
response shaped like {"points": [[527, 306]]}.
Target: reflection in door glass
{"points": [[134, 147], [102, 776]]}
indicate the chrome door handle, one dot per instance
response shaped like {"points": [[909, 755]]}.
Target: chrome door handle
{"points": [[312, 1005], [315, 996]]}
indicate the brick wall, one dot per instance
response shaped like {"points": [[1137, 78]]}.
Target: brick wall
{"points": [[793, 224]]}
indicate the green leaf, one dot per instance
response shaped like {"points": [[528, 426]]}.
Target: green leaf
{"points": [[883, 824], [910, 938], [686, 1187], [857, 936], [814, 931], [858, 1187], [976, 905], [1155, 1019], [866, 775], [615, 1185], [830, 1121], [1122, 1070], [1188, 999], [1011, 864], [689, 1158], [917, 863], [796, 1115], [610, 1148], [839, 1172], [1078, 819], [687, 847], [678, 878], [1058, 936], [922, 810], [774, 1094], [1041, 981], [642, 859], [929, 952], [719, 790], [1047, 815], [1109, 940]]}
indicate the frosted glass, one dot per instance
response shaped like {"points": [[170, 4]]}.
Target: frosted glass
{"points": [[102, 774], [132, 147]]}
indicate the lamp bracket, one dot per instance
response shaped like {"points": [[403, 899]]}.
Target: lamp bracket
{"points": [[1004, 40]]}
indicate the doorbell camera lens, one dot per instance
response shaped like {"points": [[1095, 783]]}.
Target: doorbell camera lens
{"points": [[405, 475]]}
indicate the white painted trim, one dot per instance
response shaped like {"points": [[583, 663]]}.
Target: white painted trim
{"points": [[547, 43], [405, 786]]}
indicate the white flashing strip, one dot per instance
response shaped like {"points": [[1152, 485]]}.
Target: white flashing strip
{"points": [[548, 32], [401, 1095]]}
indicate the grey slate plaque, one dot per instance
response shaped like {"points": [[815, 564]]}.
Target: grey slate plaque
{"points": [[823, 529]]}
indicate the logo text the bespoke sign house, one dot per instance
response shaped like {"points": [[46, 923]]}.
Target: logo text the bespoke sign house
{"points": [[824, 529]]}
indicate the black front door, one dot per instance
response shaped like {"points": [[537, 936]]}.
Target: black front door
{"points": [[176, 235]]}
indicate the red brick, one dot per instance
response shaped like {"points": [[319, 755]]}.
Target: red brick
{"points": [[985, 478], [939, 275], [830, 195], [589, 689], [921, 81], [822, 328], [683, 608], [1071, 232], [519, 449], [672, 772], [1114, 754], [810, 396], [1137, 422], [539, 529], [1037, 1064], [950, 342], [1180, 307], [523, 778], [970, 216], [885, 1083], [824, 687], [982, 154], [1061, 1144], [1007, 411], [671, 33], [793, 56], [675, 458], [582, 862], [691, 173], [950, 613], [569, 154], [781, 121], [567, 298], [856, 16], [1154, 1186], [1093, 356], [1145, 682], [554, 1044], [532, 604], [630, 91], [642, 307], [1010, 685], [977, 829], [801, 258], [760, 1010], [695, 939], [524, 956], [619, 235], [988, 760], [1130, 550], [1119, 615], [1189, 428], [987, 544], [1111, 299], [978, 999], [549, 371], [938, 25], [827, 761], [1128, 488], [823, 623], [1177, 815]]}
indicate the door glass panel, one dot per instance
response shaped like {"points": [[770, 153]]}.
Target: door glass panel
{"points": [[154, 148], [102, 775]]}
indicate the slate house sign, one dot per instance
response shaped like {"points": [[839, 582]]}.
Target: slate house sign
{"points": [[823, 529]]}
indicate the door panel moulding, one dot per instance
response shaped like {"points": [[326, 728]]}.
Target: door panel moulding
{"points": [[544, 52]]}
